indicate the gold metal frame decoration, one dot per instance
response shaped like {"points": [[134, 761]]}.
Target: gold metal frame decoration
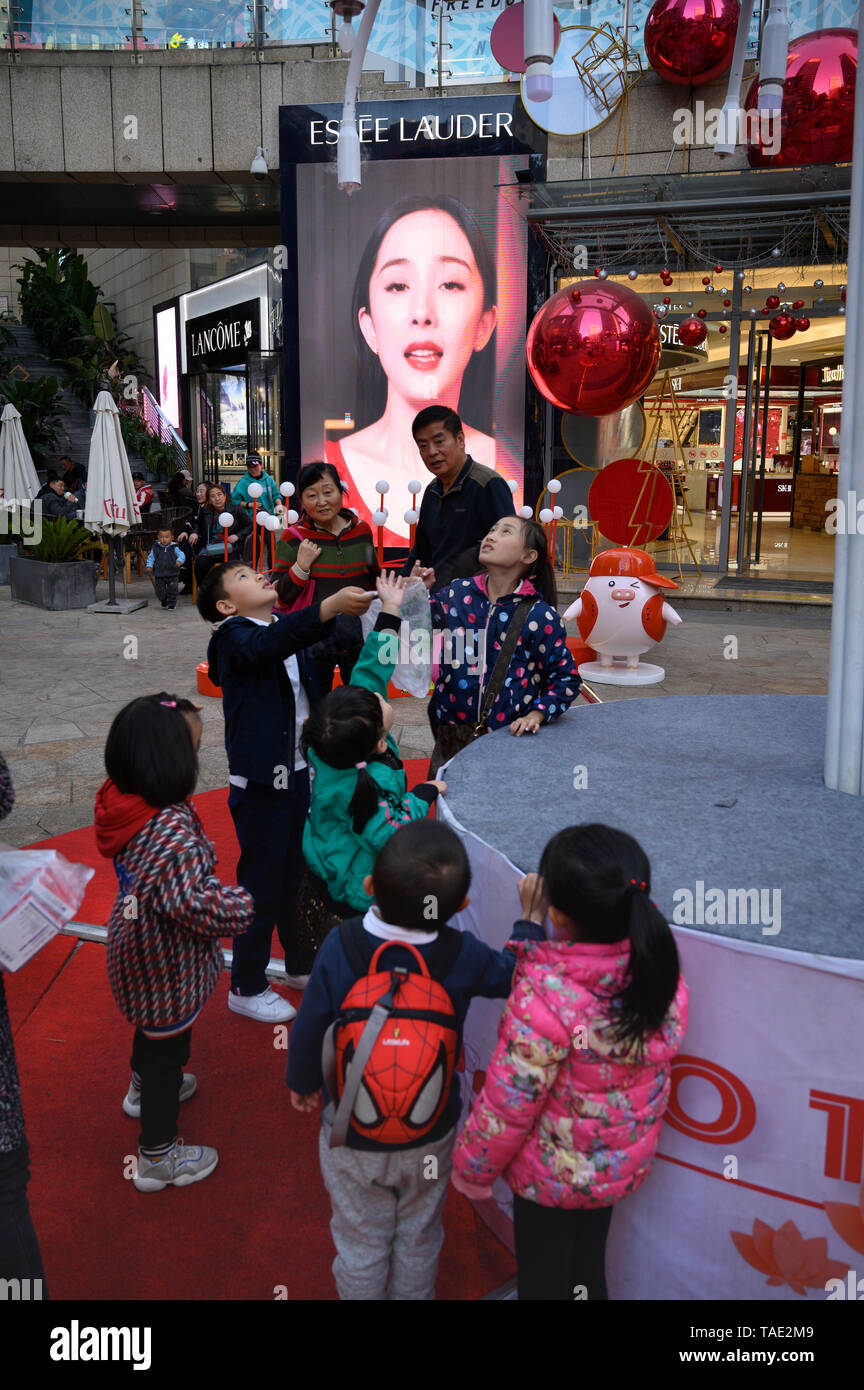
{"points": [[677, 530]]}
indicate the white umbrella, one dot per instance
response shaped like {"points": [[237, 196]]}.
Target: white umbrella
{"points": [[111, 507], [18, 478]]}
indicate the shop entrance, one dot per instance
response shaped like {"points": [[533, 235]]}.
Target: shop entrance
{"points": [[264, 409]]}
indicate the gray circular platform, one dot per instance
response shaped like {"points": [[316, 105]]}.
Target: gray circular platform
{"points": [[726, 790]]}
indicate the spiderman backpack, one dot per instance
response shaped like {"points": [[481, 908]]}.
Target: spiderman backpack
{"points": [[389, 1057]]}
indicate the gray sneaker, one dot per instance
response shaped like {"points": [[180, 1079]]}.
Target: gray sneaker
{"points": [[183, 1165], [132, 1098]]}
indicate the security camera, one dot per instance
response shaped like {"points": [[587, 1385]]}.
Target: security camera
{"points": [[258, 168]]}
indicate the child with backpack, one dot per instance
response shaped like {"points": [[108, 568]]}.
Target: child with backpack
{"points": [[575, 1093], [359, 789], [387, 1000], [507, 664], [163, 952]]}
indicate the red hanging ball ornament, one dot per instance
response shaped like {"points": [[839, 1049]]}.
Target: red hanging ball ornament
{"points": [[666, 299], [597, 270], [575, 295], [718, 270], [689, 42], [818, 106], [782, 326], [722, 328], [802, 325], [799, 304], [772, 302], [726, 303], [706, 279], [702, 313], [692, 332], [595, 356]]}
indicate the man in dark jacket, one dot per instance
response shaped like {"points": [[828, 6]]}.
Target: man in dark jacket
{"points": [[258, 661], [58, 502], [460, 506]]}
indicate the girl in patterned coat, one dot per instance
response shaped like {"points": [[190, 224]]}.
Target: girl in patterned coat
{"points": [[163, 950], [542, 681], [575, 1093]]}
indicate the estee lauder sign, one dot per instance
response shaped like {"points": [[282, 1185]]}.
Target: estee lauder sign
{"points": [[380, 130], [223, 338]]}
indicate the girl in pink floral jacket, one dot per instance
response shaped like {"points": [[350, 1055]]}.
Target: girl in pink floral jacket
{"points": [[574, 1096]]}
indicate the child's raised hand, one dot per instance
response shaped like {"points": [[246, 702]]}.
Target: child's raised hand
{"points": [[427, 575], [527, 724], [532, 896], [350, 600], [307, 1105], [307, 554], [391, 591]]}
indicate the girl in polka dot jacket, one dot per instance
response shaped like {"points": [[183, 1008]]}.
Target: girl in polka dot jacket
{"points": [[541, 682]]}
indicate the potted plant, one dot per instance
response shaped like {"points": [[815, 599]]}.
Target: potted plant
{"points": [[52, 573]]}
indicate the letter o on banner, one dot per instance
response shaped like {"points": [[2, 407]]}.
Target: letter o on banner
{"points": [[737, 1107]]}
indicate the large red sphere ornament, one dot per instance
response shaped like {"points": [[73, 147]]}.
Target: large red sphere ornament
{"points": [[818, 104], [689, 42], [782, 326], [597, 355], [692, 332]]}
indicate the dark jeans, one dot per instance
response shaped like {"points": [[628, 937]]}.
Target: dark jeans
{"points": [[160, 1063], [558, 1250], [20, 1257], [166, 586], [269, 825]]}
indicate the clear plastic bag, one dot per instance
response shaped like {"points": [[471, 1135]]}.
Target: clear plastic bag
{"points": [[414, 667], [40, 892]]}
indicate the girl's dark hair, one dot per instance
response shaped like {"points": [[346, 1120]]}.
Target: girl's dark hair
{"points": [[541, 573], [588, 871], [312, 473], [476, 398], [344, 729], [150, 752]]}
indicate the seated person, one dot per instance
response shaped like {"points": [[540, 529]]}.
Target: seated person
{"points": [[58, 502]]}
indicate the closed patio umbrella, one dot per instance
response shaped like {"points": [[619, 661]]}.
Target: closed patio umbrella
{"points": [[111, 507], [18, 480]]}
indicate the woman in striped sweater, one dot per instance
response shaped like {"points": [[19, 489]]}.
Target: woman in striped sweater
{"points": [[327, 549]]}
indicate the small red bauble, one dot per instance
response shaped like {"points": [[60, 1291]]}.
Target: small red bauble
{"points": [[666, 299], [726, 303], [799, 304], [718, 269], [722, 328], [782, 326], [575, 295], [702, 313], [689, 42], [802, 325], [772, 302], [597, 269], [692, 332], [706, 279]]}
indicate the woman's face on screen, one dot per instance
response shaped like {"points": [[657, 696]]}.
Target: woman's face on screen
{"points": [[425, 313]]}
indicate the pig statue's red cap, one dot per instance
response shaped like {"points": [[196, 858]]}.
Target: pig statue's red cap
{"points": [[629, 564]]}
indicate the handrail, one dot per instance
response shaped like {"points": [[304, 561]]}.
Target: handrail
{"points": [[158, 423]]}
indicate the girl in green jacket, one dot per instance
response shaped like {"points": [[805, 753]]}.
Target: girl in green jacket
{"points": [[359, 791]]}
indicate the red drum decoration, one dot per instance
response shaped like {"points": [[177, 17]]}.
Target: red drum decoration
{"points": [[689, 42], [818, 103], [595, 356], [782, 326], [692, 332], [632, 501]]}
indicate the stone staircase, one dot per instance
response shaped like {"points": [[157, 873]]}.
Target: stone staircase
{"points": [[76, 427]]}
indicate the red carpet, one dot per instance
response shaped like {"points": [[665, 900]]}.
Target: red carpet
{"points": [[261, 1221]]}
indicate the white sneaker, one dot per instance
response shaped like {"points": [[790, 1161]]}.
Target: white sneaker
{"points": [[267, 1006], [296, 981]]}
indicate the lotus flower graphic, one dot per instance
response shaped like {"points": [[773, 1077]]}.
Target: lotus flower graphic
{"points": [[787, 1258], [848, 1221]]}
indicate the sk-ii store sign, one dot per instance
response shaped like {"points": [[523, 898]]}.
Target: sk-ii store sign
{"points": [[222, 339]]}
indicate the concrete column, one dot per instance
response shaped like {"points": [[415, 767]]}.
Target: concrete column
{"points": [[844, 745]]}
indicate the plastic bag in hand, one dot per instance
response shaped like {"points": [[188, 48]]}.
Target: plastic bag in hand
{"points": [[414, 675], [40, 892]]}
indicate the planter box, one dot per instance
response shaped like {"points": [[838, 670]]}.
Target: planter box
{"points": [[53, 586], [6, 553]]}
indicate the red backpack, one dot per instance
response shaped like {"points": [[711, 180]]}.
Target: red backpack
{"points": [[389, 1057]]}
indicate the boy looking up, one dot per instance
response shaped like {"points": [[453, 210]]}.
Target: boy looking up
{"points": [[257, 657]]}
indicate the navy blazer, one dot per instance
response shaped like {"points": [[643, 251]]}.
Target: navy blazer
{"points": [[247, 661]]}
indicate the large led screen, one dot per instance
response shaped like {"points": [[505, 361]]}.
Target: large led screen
{"points": [[411, 292], [166, 353]]}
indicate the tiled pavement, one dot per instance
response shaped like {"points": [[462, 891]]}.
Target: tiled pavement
{"points": [[63, 677]]}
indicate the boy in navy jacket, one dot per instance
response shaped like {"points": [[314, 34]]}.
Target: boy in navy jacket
{"points": [[258, 660], [386, 1203]]}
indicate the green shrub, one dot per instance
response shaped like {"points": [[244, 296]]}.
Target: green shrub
{"points": [[41, 409], [62, 540]]}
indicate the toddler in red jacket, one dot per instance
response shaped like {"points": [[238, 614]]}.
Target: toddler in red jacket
{"points": [[163, 951]]}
